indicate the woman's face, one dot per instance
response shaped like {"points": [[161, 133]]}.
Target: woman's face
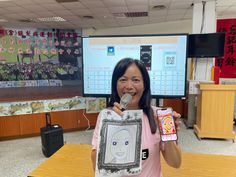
{"points": [[131, 82], [120, 144]]}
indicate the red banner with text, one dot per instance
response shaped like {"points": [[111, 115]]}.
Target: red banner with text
{"points": [[227, 63]]}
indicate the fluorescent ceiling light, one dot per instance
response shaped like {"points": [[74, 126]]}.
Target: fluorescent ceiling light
{"points": [[119, 15], [4, 0], [51, 19], [3, 20]]}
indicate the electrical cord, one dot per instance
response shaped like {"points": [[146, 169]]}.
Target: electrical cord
{"points": [[87, 121], [203, 15]]}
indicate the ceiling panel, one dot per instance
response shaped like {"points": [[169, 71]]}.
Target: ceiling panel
{"points": [[105, 13], [114, 3]]}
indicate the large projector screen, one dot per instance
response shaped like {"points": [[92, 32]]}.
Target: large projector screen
{"points": [[164, 57]]}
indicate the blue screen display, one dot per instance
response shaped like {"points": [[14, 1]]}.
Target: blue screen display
{"points": [[163, 55]]}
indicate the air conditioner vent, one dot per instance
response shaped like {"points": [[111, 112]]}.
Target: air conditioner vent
{"points": [[26, 20], [63, 1], [136, 14], [159, 7], [88, 17]]}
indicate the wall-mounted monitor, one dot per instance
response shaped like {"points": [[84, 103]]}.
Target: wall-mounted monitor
{"points": [[206, 45], [164, 57]]}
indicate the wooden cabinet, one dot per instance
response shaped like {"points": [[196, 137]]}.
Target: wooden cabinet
{"points": [[9, 126], [177, 105], [67, 119], [31, 123], [215, 111], [28, 125], [74, 119], [84, 120]]}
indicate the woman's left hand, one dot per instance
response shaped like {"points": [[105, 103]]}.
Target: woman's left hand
{"points": [[177, 119]]}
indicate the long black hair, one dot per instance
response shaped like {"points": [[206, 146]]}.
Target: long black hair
{"points": [[145, 100]]}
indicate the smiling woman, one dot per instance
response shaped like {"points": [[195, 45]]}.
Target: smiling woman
{"points": [[131, 77]]}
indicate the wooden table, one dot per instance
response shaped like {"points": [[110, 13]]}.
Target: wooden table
{"points": [[73, 160], [202, 165]]}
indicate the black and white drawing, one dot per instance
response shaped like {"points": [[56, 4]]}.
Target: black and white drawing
{"points": [[119, 151]]}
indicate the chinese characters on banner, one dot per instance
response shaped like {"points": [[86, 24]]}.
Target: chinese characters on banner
{"points": [[227, 63], [31, 43], [30, 57]]}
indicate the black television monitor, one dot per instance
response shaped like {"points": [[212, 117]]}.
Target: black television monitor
{"points": [[165, 57], [206, 45]]}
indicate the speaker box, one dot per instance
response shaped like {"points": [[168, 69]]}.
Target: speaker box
{"points": [[52, 139]]}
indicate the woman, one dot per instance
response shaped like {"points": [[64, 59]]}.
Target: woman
{"points": [[130, 76]]}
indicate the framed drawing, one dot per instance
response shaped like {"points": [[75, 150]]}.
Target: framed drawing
{"points": [[119, 151]]}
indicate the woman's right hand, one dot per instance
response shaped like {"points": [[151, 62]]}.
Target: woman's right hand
{"points": [[117, 108], [177, 120]]}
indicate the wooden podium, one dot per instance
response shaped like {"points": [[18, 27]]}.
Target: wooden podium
{"points": [[215, 111]]}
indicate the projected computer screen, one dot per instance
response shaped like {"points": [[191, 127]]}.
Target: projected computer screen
{"points": [[163, 55]]}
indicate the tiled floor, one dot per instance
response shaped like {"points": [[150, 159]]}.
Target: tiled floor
{"points": [[21, 156]]}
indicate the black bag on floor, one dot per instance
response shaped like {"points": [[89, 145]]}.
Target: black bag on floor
{"points": [[51, 137]]}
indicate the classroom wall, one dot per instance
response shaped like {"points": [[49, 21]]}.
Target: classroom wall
{"points": [[184, 26], [204, 25]]}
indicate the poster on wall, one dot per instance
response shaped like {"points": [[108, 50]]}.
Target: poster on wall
{"points": [[95, 105], [41, 106], [40, 57], [227, 63]]}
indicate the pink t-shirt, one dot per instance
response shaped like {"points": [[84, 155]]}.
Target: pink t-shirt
{"points": [[151, 146]]}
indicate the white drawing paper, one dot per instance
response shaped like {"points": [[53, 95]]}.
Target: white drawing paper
{"points": [[5, 109], [18, 108], [91, 105], [95, 105], [77, 103], [56, 105], [119, 144], [37, 106]]}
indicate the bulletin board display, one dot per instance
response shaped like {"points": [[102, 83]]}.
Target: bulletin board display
{"points": [[39, 57]]}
